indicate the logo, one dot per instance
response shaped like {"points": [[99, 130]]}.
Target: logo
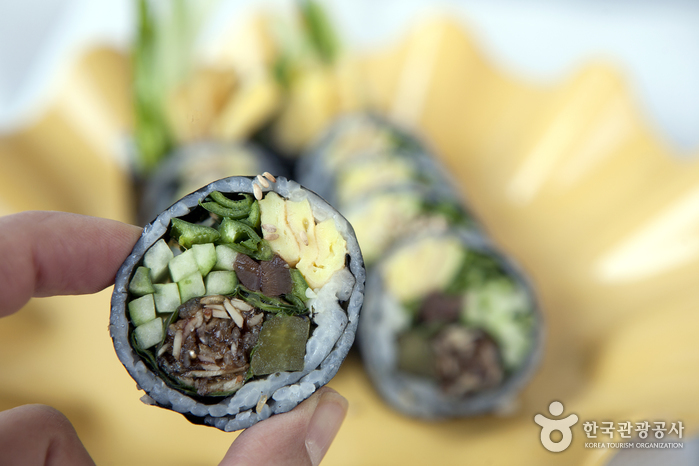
{"points": [[548, 426]]}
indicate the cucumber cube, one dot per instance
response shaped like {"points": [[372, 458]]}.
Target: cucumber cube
{"points": [[141, 283], [150, 334], [221, 282], [225, 258], [167, 298], [205, 255], [192, 286], [183, 265], [157, 259], [142, 310]]}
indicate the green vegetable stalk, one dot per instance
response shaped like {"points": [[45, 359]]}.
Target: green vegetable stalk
{"points": [[162, 57]]}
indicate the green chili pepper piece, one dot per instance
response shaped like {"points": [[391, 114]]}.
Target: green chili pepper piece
{"points": [[233, 231], [253, 218], [264, 251], [238, 247], [260, 252], [188, 234], [245, 203], [218, 209]]}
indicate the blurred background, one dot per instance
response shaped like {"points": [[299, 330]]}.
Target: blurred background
{"points": [[570, 127]]}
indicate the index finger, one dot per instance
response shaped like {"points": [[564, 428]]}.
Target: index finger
{"points": [[58, 253]]}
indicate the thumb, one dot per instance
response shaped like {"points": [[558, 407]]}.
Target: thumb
{"points": [[300, 437], [39, 435]]}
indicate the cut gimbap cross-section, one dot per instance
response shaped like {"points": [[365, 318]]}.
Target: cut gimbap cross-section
{"points": [[450, 327], [238, 301]]}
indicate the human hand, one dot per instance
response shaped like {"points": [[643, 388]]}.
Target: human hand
{"points": [[54, 253]]}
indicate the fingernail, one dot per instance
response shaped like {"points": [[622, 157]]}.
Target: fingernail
{"points": [[324, 425]]}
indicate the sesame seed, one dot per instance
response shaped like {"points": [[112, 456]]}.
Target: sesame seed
{"points": [[261, 403], [304, 237], [272, 237], [257, 191], [269, 227], [262, 181], [269, 176]]}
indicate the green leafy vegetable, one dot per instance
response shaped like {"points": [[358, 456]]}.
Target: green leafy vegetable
{"points": [[270, 303], [162, 58], [476, 269]]}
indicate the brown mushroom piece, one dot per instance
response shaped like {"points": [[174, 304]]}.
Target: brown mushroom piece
{"points": [[275, 277], [248, 272], [439, 307], [467, 360]]}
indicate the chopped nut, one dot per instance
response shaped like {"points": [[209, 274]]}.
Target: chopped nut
{"points": [[221, 314], [177, 344], [213, 299], [254, 320], [240, 304], [218, 307], [234, 313]]}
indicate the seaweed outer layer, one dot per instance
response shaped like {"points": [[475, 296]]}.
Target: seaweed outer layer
{"points": [[418, 397], [276, 393]]}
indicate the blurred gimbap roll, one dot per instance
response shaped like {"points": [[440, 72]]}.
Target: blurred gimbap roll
{"points": [[197, 164], [449, 328], [384, 217], [383, 180]]}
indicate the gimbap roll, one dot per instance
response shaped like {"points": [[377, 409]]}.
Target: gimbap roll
{"points": [[383, 180], [238, 301], [193, 165], [449, 327]]}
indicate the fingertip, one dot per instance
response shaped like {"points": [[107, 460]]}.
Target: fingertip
{"points": [[325, 424], [39, 434], [48, 253], [300, 437]]}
